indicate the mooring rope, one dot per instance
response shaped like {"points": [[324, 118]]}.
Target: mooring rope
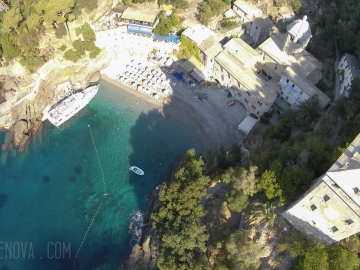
{"points": [[97, 155], [87, 231]]}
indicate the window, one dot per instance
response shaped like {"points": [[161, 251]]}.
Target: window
{"points": [[313, 207], [356, 190], [257, 112], [287, 97], [301, 92], [291, 38], [349, 221], [253, 107], [246, 100], [334, 229], [247, 92], [238, 84], [313, 222], [229, 75], [293, 85], [287, 80], [259, 103], [256, 27], [326, 198]]}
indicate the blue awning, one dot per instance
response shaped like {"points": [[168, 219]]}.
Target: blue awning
{"points": [[179, 76], [138, 29], [167, 38]]}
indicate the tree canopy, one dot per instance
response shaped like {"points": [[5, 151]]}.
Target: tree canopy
{"points": [[340, 25], [26, 22], [182, 237]]}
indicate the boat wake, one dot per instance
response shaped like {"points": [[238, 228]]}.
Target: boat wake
{"points": [[135, 227]]}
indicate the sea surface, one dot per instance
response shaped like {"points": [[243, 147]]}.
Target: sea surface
{"points": [[71, 194]]}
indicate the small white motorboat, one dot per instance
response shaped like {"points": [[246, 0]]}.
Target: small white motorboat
{"points": [[136, 170]]}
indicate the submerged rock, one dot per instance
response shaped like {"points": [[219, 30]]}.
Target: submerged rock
{"points": [[3, 200]]}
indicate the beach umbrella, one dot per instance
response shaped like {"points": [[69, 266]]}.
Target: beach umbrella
{"points": [[140, 87], [153, 79], [163, 76], [158, 81], [149, 76], [126, 73]]}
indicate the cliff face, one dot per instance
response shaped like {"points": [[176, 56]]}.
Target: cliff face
{"points": [[25, 98], [144, 255]]}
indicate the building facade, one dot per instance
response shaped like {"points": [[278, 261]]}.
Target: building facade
{"points": [[330, 210], [259, 29], [295, 89], [235, 68], [349, 68], [140, 21]]}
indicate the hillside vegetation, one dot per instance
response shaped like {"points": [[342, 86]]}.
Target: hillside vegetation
{"points": [[28, 22]]}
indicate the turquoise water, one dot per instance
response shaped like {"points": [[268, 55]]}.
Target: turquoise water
{"points": [[51, 191]]}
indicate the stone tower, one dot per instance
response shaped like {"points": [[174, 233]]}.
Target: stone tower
{"points": [[297, 37], [330, 210]]}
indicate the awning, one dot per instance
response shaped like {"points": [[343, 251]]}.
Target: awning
{"points": [[247, 124], [197, 75], [137, 29]]}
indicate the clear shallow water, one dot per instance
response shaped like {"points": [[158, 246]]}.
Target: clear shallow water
{"points": [[55, 187]]}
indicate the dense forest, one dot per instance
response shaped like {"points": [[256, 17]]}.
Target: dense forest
{"points": [[339, 25], [27, 22]]}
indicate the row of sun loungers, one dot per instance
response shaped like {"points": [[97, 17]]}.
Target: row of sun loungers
{"points": [[150, 82]]}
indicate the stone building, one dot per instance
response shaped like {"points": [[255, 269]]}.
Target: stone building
{"points": [[330, 210], [349, 68], [259, 29], [245, 10], [237, 68], [294, 89], [297, 37], [209, 49]]}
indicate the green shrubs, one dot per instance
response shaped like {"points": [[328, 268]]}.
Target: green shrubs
{"points": [[237, 200], [60, 32], [83, 45], [228, 24]]}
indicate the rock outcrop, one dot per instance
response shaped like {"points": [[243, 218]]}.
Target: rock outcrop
{"points": [[26, 97], [144, 254]]}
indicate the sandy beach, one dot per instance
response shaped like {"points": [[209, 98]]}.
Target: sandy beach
{"points": [[215, 120]]}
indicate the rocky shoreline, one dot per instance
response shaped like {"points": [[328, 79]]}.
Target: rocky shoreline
{"points": [[25, 97], [144, 254]]}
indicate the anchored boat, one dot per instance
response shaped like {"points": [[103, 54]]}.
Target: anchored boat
{"points": [[67, 108], [136, 170]]}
